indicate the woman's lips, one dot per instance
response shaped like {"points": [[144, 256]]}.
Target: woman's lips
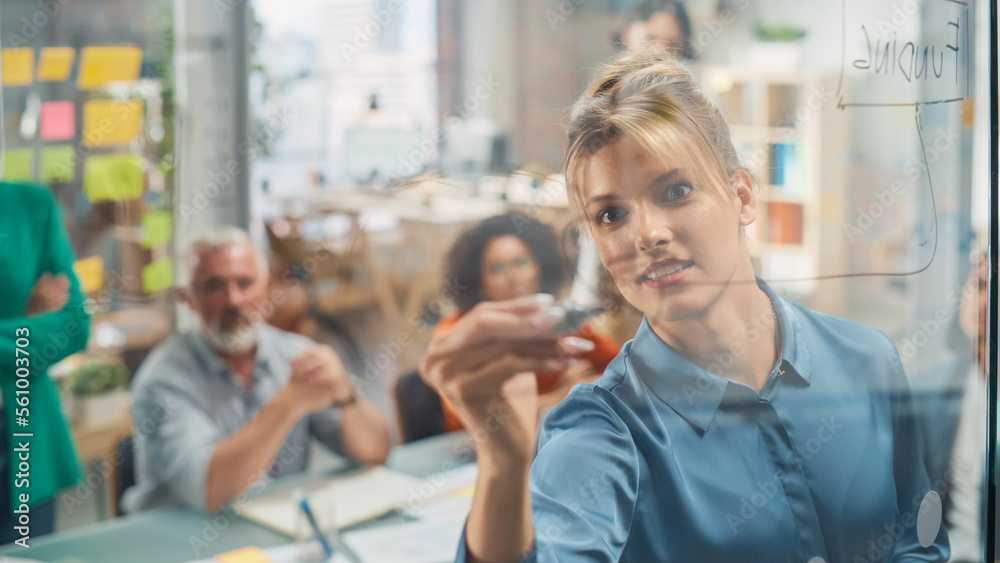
{"points": [[665, 272]]}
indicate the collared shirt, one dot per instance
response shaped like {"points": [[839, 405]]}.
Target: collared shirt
{"points": [[663, 461], [186, 400]]}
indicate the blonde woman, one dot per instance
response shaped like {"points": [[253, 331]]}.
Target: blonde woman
{"points": [[735, 427]]}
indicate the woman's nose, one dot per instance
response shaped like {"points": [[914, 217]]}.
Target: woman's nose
{"points": [[652, 230]]}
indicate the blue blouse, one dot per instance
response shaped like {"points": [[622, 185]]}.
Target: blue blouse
{"points": [[660, 460]]}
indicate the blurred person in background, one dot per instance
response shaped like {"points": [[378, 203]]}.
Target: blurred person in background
{"points": [[41, 313], [511, 256], [221, 408], [660, 23], [954, 421]]}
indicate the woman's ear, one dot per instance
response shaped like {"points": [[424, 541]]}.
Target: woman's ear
{"points": [[744, 196]]}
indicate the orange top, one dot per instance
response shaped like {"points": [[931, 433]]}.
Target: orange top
{"points": [[605, 350]]}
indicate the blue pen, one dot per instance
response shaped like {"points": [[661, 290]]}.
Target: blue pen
{"points": [[304, 505]]}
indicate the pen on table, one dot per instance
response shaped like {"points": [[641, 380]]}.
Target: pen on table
{"points": [[304, 505]]}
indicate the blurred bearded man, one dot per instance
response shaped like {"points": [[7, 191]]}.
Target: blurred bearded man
{"points": [[219, 409]]}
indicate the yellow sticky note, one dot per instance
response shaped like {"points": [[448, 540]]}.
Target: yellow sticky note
{"points": [[101, 65], [57, 164], [158, 275], [19, 164], [55, 63], [17, 67], [107, 123], [90, 272], [244, 555], [157, 228], [112, 177]]}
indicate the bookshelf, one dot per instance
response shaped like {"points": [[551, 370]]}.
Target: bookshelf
{"points": [[793, 139]]}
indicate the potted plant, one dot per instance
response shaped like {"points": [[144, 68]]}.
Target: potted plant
{"points": [[777, 47], [97, 391]]}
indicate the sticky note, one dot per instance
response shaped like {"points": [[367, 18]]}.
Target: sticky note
{"points": [[90, 272], [19, 164], [107, 123], [58, 164], [101, 65], [112, 177], [17, 67], [57, 121], [55, 63], [157, 228], [244, 555], [158, 275]]}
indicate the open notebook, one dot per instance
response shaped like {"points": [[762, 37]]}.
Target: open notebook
{"points": [[346, 499]]}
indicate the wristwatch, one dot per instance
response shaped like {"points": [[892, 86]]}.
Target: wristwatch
{"points": [[346, 402]]}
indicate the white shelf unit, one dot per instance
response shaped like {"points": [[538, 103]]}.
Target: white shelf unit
{"points": [[793, 138]]}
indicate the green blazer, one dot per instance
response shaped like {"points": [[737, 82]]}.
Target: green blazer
{"points": [[33, 241]]}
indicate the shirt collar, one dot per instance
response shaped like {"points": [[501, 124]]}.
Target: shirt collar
{"points": [[695, 393]]}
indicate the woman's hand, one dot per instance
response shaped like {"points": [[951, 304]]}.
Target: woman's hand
{"points": [[49, 294], [484, 366]]}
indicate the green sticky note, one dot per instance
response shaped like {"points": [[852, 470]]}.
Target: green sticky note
{"points": [[158, 275], [58, 164], [112, 177], [157, 228], [19, 164]]}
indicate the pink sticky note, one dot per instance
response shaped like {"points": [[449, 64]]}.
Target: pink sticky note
{"points": [[58, 121]]}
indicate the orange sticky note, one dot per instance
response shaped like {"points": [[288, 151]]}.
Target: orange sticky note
{"points": [[244, 555], [108, 123], [57, 121], [17, 67], [90, 272], [101, 65], [55, 63]]}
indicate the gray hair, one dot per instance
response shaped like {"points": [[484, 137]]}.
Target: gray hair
{"points": [[211, 239]]}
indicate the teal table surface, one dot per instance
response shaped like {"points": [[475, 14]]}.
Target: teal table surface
{"points": [[177, 535]]}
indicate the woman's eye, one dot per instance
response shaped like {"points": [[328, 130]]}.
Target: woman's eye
{"points": [[497, 268], [611, 215], [676, 191], [523, 262]]}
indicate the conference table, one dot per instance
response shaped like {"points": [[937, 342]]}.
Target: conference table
{"points": [[172, 535]]}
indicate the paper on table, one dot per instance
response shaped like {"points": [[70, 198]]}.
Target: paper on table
{"points": [[55, 63], [17, 67], [413, 542], [107, 123], [58, 164], [283, 554], [243, 555], [57, 121], [19, 164], [158, 275], [351, 498], [157, 228], [101, 65], [112, 177], [90, 272]]}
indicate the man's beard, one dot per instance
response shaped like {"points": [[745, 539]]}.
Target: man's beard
{"points": [[239, 339]]}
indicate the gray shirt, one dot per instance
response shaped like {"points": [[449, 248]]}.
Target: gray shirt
{"points": [[185, 400]]}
